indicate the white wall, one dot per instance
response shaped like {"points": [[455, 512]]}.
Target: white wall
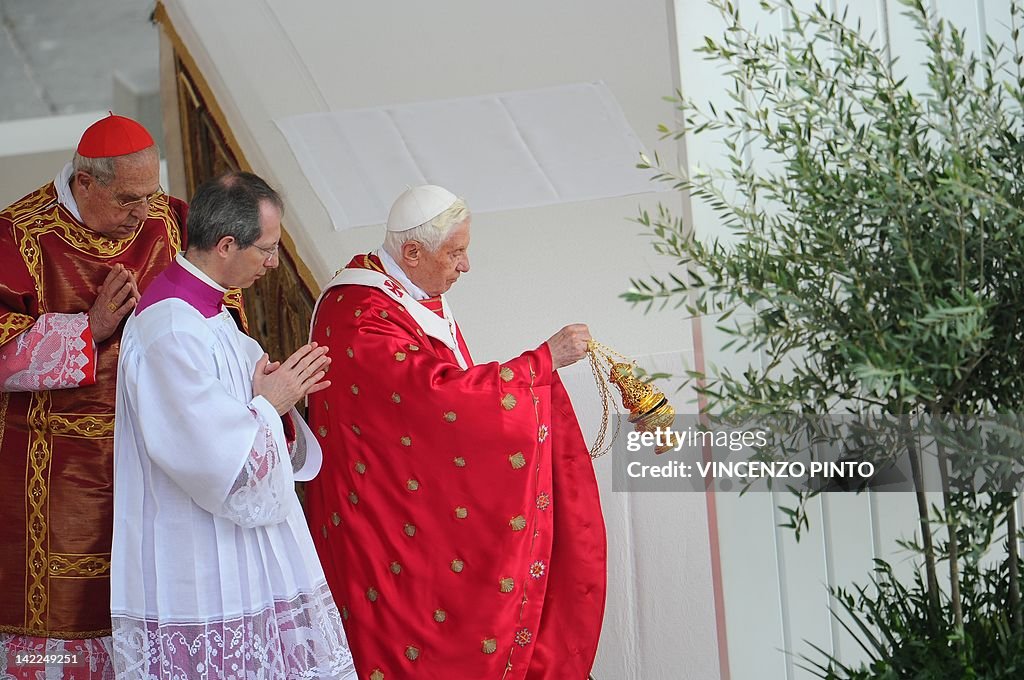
{"points": [[32, 151]]}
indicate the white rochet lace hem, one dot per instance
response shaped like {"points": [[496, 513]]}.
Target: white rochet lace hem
{"points": [[294, 639]]}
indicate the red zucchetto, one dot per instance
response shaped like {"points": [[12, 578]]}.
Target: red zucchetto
{"points": [[113, 136]]}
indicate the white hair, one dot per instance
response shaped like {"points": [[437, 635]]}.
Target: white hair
{"points": [[429, 234], [104, 168]]}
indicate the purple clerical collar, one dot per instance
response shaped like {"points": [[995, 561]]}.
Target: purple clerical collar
{"points": [[184, 281]]}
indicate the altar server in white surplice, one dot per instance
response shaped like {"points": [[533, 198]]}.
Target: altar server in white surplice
{"points": [[213, 571]]}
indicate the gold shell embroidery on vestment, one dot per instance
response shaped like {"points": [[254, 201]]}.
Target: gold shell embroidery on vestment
{"points": [[353, 497], [358, 312], [440, 615], [399, 356], [360, 467], [458, 565], [395, 397], [410, 530], [508, 402], [489, 646], [459, 461], [328, 331], [450, 416], [322, 430], [344, 613], [412, 485], [517, 460], [506, 373], [349, 352], [383, 314], [411, 653], [406, 441], [335, 519], [396, 568], [414, 348], [461, 512], [518, 523], [355, 428], [341, 296], [507, 584], [323, 531], [371, 594], [376, 674], [355, 389]]}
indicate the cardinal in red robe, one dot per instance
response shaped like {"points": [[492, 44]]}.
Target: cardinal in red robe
{"points": [[457, 514]]}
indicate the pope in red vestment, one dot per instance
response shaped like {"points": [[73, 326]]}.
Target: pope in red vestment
{"points": [[457, 514], [73, 257]]}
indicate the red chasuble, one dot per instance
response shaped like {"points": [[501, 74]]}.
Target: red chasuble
{"points": [[56, 445], [457, 514]]}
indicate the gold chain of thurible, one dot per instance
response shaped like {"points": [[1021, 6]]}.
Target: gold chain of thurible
{"points": [[597, 351]]}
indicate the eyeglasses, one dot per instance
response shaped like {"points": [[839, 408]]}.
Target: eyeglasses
{"points": [[269, 252], [148, 200]]}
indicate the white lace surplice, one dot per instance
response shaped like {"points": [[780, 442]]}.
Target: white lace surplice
{"points": [[213, 571], [51, 355]]}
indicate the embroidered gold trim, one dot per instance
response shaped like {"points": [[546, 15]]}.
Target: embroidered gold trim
{"points": [[81, 566], [14, 324], [79, 425], [37, 519]]}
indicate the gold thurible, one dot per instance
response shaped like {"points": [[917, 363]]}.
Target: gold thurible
{"points": [[648, 407]]}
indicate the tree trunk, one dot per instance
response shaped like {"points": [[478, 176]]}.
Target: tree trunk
{"points": [[922, 513]]}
